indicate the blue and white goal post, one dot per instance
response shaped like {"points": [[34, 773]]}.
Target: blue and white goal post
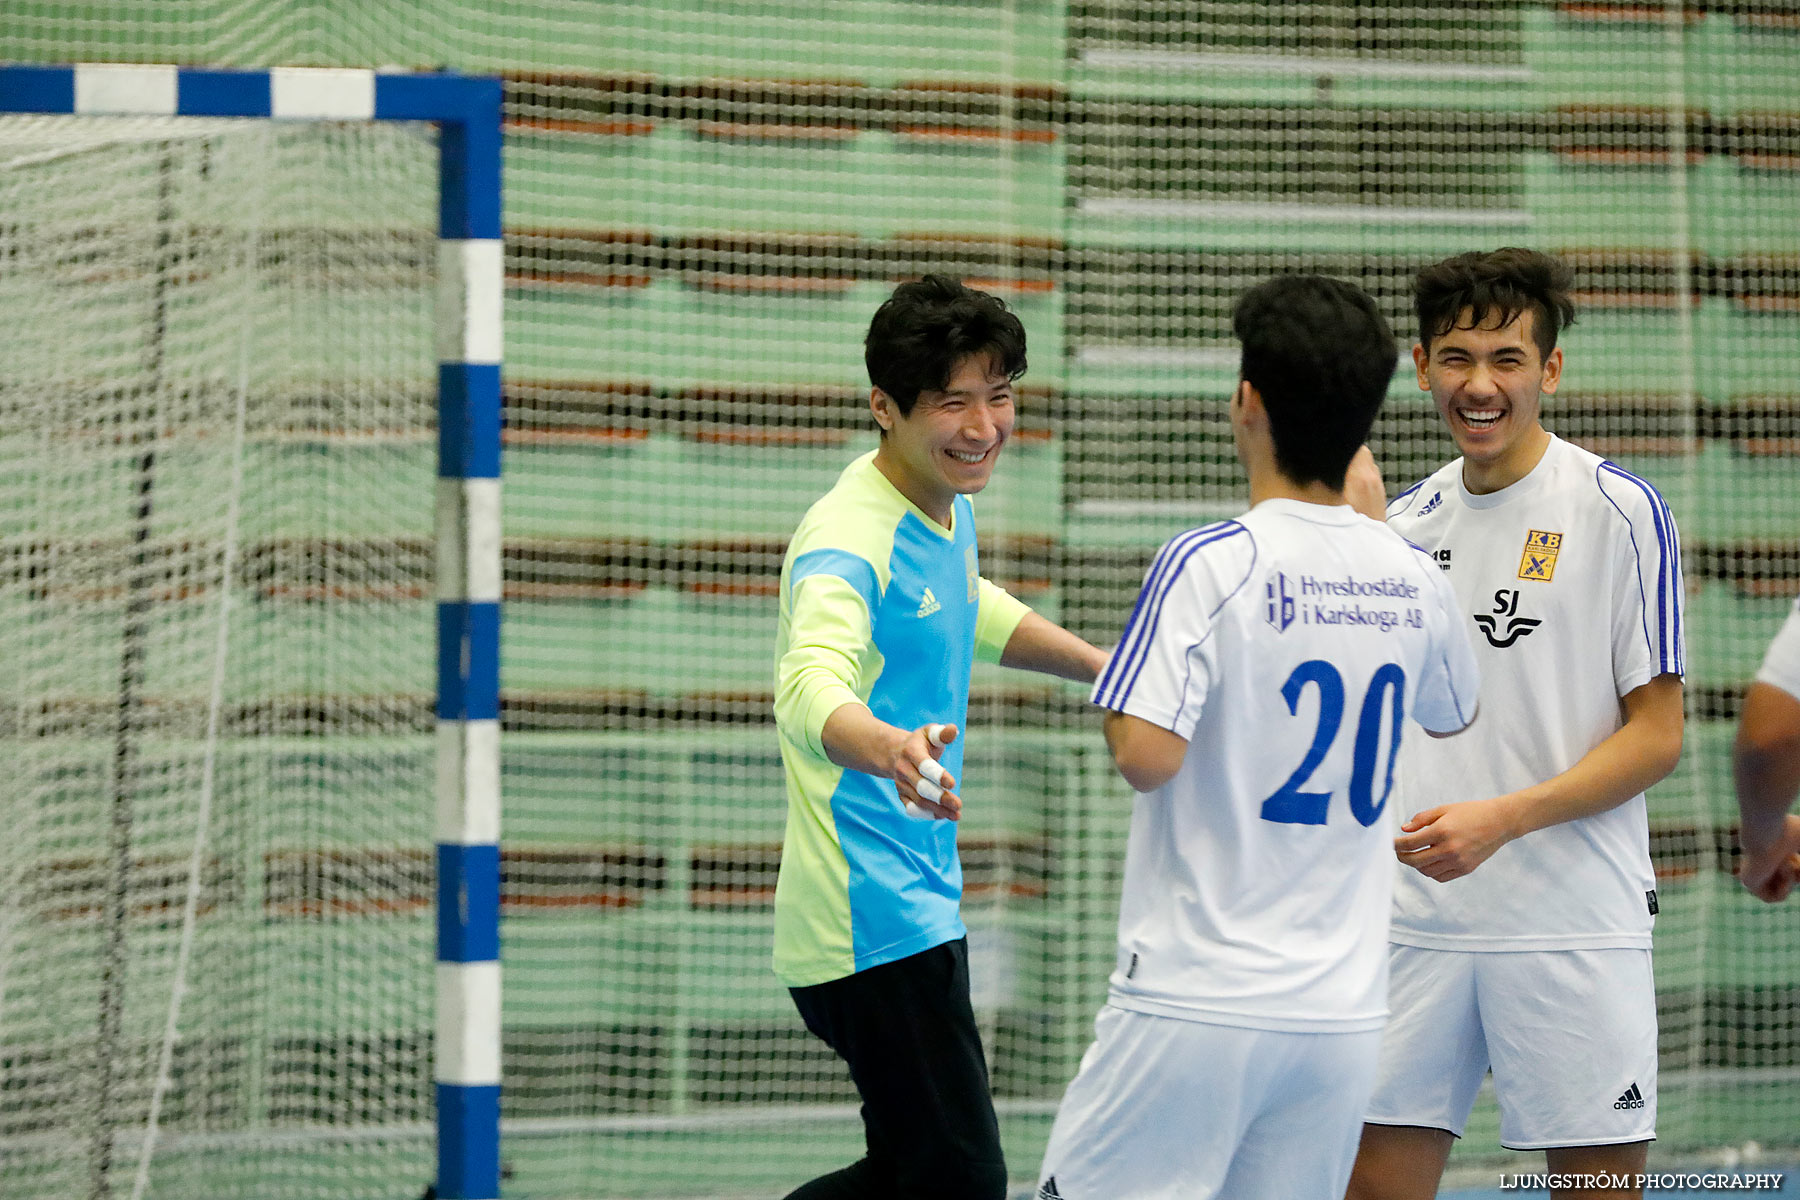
{"points": [[467, 112]]}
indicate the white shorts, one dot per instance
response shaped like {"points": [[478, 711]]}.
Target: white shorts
{"points": [[1165, 1109], [1570, 1035]]}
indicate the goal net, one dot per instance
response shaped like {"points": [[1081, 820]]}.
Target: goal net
{"points": [[216, 594], [706, 200]]}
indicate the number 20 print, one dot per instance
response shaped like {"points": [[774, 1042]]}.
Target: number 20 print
{"points": [[1292, 806]]}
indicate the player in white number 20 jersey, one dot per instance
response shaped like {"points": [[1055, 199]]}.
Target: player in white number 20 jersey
{"points": [[1257, 700]]}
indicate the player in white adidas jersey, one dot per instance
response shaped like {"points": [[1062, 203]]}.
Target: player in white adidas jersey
{"points": [[1766, 761], [1257, 701], [1524, 906]]}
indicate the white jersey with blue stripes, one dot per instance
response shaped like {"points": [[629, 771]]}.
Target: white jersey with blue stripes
{"points": [[1571, 580], [1288, 647]]}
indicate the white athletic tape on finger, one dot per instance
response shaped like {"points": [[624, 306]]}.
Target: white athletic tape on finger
{"points": [[934, 775]]}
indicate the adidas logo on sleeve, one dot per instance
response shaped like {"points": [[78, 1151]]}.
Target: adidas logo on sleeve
{"points": [[1630, 1098]]}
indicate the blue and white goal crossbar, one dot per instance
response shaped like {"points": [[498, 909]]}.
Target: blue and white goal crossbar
{"points": [[466, 110]]}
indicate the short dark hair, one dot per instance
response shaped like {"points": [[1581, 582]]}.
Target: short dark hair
{"points": [[1320, 355], [1494, 287], [921, 332]]}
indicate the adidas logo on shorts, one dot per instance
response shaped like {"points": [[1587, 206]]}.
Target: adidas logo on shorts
{"points": [[1048, 1191], [1630, 1098]]}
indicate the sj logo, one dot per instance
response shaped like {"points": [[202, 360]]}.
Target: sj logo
{"points": [[1506, 605], [1539, 560]]}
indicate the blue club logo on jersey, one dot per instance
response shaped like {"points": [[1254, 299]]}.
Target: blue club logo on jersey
{"points": [[1506, 604], [1281, 602]]}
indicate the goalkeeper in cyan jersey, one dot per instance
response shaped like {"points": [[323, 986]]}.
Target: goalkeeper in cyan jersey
{"points": [[883, 610]]}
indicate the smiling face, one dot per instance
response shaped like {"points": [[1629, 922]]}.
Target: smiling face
{"points": [[1487, 382], [948, 444]]}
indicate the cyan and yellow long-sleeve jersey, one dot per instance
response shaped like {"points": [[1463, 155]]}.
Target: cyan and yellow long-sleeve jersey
{"points": [[879, 605]]}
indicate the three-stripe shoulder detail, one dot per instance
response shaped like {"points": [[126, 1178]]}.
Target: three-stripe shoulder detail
{"points": [[1667, 602], [1400, 502], [1128, 660]]}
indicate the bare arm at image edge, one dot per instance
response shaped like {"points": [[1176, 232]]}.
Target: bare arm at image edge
{"points": [[1766, 766]]}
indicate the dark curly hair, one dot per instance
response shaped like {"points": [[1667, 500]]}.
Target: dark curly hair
{"points": [[926, 327], [1494, 287]]}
